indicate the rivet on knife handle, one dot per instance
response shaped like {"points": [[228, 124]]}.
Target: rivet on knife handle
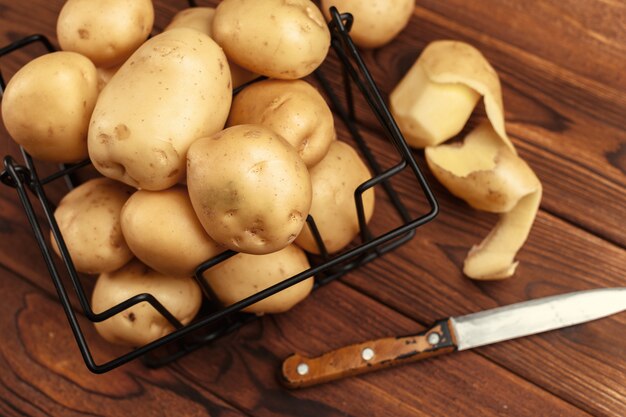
{"points": [[299, 371]]}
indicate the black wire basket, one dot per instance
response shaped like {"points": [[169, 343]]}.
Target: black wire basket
{"points": [[215, 320]]}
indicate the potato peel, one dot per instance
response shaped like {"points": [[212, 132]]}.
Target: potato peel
{"points": [[482, 171], [485, 169], [494, 257]]}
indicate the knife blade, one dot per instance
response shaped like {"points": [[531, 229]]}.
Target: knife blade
{"points": [[456, 333]]}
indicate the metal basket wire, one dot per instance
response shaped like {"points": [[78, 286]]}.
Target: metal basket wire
{"points": [[216, 320]]}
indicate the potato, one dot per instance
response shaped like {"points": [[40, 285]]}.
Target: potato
{"points": [[335, 180], [198, 18], [89, 220], [49, 125], [142, 324], [201, 19], [277, 38], [243, 275], [249, 188], [436, 97], [105, 31], [174, 89], [376, 22], [105, 75], [293, 109], [162, 230], [429, 113]]}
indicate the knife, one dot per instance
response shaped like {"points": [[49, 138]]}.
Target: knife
{"points": [[456, 333]]}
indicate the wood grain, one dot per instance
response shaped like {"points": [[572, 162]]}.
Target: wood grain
{"points": [[588, 38], [565, 107], [42, 373], [243, 368]]}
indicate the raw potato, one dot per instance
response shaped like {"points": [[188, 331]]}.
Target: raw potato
{"points": [[249, 188], [162, 230], [430, 113], [293, 109], [174, 89], [285, 39], [436, 97], [89, 221], [105, 31], [142, 324], [198, 18], [485, 173], [201, 19], [243, 275], [376, 22], [335, 180], [52, 126]]}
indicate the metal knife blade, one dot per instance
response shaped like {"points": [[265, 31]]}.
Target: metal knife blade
{"points": [[536, 316], [456, 333]]}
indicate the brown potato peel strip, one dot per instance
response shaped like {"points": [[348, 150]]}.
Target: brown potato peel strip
{"points": [[484, 170]]}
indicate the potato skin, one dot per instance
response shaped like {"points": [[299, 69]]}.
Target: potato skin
{"points": [[105, 31], [174, 89], [243, 275], [249, 188], [89, 220], [52, 126], [277, 38], [293, 109], [162, 230], [198, 18], [105, 75], [142, 324], [334, 181], [201, 19], [376, 22]]}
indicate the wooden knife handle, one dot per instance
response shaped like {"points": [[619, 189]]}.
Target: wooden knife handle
{"points": [[299, 371]]}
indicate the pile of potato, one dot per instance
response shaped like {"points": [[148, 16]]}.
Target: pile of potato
{"points": [[188, 171]]}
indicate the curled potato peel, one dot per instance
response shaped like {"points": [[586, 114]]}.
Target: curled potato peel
{"points": [[432, 103], [488, 176], [494, 257], [483, 171]]}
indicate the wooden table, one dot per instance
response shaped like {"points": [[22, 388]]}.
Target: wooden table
{"points": [[562, 68]]}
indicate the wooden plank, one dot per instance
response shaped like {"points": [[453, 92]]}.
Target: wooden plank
{"points": [[40, 352], [537, 127], [242, 368], [345, 328], [587, 37], [43, 374], [416, 287], [424, 281]]}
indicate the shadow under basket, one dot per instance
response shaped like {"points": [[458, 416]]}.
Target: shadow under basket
{"points": [[215, 320]]}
